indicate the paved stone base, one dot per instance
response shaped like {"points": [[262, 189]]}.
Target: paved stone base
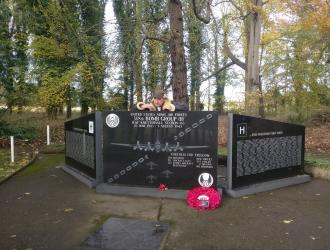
{"points": [[122, 234], [87, 180], [267, 186], [105, 188]]}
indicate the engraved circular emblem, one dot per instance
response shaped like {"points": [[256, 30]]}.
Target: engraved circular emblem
{"points": [[205, 180], [112, 120]]}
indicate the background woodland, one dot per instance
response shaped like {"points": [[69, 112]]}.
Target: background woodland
{"points": [[60, 54]]}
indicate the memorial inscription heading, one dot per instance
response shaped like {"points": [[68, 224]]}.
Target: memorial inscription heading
{"points": [[158, 120]]}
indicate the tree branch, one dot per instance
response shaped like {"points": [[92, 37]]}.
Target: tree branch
{"points": [[238, 8], [160, 39], [205, 20], [263, 3], [227, 50], [218, 71], [232, 57]]}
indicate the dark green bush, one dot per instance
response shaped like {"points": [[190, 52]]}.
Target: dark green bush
{"points": [[18, 132]]}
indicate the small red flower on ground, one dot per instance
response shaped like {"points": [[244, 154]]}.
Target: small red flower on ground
{"points": [[162, 187]]}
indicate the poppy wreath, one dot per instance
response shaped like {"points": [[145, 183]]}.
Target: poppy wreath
{"points": [[203, 198]]}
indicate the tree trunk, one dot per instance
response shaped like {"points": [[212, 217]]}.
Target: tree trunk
{"points": [[137, 65], [20, 109], [60, 110], [126, 82], [221, 77], [68, 110], [84, 108], [195, 40], [252, 84], [131, 89], [179, 67], [261, 100]]}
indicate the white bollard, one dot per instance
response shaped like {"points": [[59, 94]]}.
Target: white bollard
{"points": [[12, 158], [48, 135]]}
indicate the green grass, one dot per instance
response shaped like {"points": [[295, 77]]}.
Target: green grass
{"points": [[53, 149], [222, 150], [6, 167], [43, 163], [317, 161], [99, 221]]}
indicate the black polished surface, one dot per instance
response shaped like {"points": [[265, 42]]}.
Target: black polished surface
{"points": [[150, 148], [80, 144], [265, 149]]}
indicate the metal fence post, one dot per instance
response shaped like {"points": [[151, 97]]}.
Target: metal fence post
{"points": [[12, 152], [48, 135]]}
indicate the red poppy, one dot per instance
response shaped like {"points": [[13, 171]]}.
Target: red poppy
{"points": [[203, 198]]}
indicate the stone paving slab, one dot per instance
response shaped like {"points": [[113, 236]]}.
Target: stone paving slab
{"points": [[122, 234]]}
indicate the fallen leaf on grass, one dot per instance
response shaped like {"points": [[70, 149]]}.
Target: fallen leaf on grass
{"points": [[68, 210], [287, 221]]}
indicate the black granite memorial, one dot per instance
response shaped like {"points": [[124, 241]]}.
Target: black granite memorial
{"points": [[178, 149], [261, 150], [145, 149], [80, 144]]}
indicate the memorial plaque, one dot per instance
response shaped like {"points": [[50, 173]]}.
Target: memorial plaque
{"points": [[264, 149], [80, 144], [178, 149]]}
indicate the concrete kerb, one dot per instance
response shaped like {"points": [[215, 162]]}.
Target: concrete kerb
{"points": [[34, 157], [267, 186]]}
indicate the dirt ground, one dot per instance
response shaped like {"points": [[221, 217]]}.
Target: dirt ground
{"points": [[317, 139], [45, 208]]}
